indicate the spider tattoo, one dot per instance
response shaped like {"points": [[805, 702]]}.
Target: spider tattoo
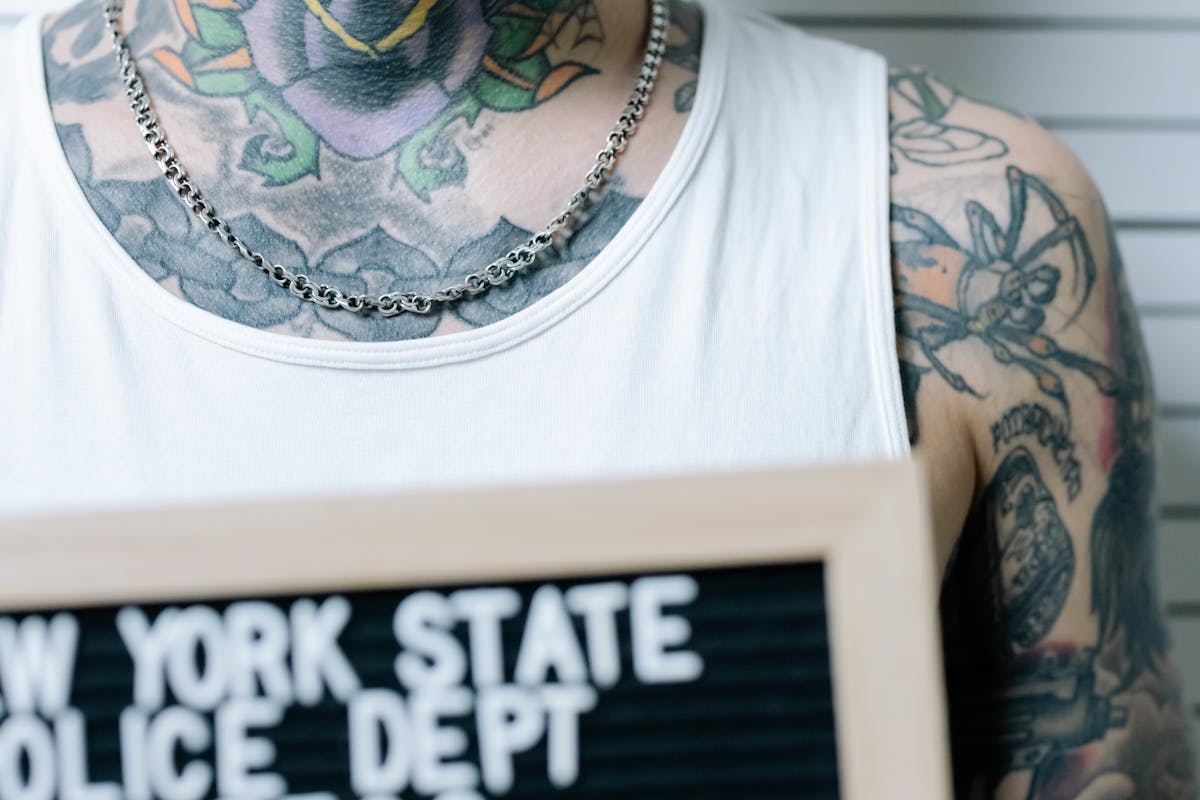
{"points": [[1004, 290]]}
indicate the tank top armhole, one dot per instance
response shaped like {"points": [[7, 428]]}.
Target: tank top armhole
{"points": [[875, 179]]}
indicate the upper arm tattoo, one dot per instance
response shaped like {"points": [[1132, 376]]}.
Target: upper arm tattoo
{"points": [[1050, 431], [1005, 289], [1034, 561], [1033, 716], [1122, 533], [1025, 706]]}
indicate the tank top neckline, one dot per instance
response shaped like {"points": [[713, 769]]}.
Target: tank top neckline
{"points": [[141, 288]]}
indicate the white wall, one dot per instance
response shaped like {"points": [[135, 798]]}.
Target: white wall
{"points": [[1120, 81], [12, 10]]}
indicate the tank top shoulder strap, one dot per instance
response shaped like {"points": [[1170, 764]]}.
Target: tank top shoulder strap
{"points": [[799, 164]]}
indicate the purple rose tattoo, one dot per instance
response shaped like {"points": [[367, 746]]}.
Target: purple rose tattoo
{"points": [[369, 77], [365, 93]]}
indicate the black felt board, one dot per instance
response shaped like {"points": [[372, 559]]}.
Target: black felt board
{"points": [[758, 723]]}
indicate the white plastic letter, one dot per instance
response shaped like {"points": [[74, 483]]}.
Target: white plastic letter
{"points": [[133, 754], [177, 728], [549, 642], [37, 663], [510, 720], [564, 706], [434, 743], [379, 743], [258, 651], [147, 646], [198, 630], [239, 753], [317, 659], [484, 609], [25, 741], [71, 738], [431, 655], [654, 632], [598, 604]]}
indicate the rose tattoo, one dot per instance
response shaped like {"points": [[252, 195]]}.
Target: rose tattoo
{"points": [[366, 78]]}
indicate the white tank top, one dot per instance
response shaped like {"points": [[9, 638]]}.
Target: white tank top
{"points": [[741, 319]]}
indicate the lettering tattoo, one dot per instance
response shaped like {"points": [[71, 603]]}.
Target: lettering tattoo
{"points": [[1051, 432], [292, 88]]}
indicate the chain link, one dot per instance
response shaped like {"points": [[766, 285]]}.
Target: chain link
{"points": [[499, 272]]}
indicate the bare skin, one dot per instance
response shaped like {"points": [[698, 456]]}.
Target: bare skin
{"points": [[1025, 380]]}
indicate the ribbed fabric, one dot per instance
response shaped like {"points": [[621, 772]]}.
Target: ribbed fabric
{"points": [[740, 319]]}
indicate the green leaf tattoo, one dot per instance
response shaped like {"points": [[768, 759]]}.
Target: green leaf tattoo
{"points": [[420, 174], [304, 145], [219, 30]]}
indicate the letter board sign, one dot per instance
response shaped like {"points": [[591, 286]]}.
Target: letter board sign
{"points": [[764, 635]]}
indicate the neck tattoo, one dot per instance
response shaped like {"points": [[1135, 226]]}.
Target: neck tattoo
{"points": [[392, 303]]}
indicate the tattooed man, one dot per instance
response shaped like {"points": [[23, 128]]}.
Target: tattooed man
{"points": [[725, 300]]}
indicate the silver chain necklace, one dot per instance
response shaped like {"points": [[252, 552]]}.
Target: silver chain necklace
{"points": [[500, 271]]}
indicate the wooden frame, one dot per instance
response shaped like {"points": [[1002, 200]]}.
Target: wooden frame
{"points": [[868, 524]]}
